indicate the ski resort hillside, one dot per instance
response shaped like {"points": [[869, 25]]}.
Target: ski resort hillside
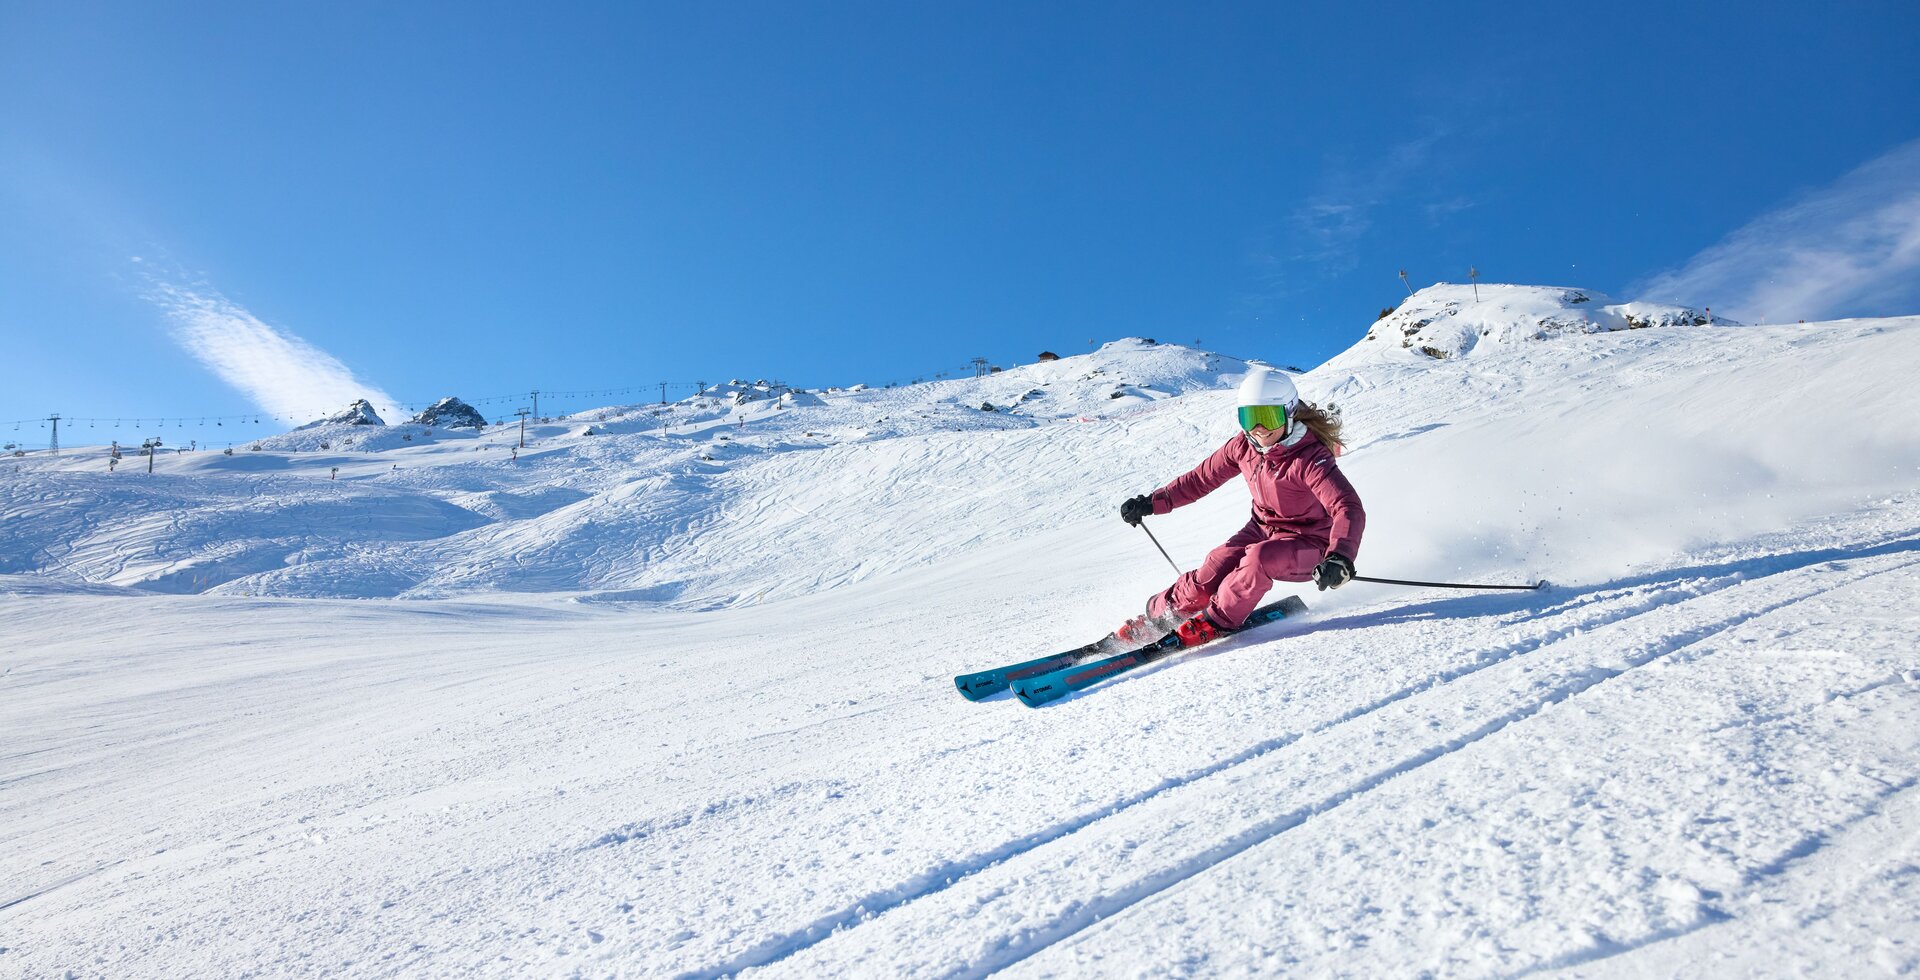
{"points": [[714, 500], [669, 690]]}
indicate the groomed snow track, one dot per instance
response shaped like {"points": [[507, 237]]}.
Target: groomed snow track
{"points": [[1074, 884], [742, 753]]}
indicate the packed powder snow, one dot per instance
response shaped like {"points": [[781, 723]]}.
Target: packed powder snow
{"points": [[675, 697]]}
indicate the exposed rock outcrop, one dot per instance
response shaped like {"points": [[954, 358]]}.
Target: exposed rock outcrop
{"points": [[451, 413]]}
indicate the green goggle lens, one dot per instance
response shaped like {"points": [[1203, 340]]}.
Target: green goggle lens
{"points": [[1273, 418]]}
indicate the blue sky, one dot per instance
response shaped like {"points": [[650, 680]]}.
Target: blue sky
{"points": [[215, 209]]}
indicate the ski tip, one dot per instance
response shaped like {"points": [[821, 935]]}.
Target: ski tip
{"points": [[973, 687], [1294, 605], [1041, 690], [1035, 697]]}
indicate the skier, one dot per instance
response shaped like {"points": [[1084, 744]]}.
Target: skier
{"points": [[1306, 521]]}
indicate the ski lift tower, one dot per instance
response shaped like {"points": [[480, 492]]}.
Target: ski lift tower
{"points": [[979, 367]]}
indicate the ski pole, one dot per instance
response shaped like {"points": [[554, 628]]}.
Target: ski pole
{"points": [[1163, 551], [1366, 578], [1448, 585]]}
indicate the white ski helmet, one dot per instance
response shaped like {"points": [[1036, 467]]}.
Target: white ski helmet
{"points": [[1265, 386]]}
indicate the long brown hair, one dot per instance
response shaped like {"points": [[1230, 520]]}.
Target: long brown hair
{"points": [[1325, 423]]}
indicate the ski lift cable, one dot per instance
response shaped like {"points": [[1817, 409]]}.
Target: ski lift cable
{"points": [[179, 420]]}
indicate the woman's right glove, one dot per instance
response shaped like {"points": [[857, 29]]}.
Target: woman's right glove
{"points": [[1133, 510], [1332, 572]]}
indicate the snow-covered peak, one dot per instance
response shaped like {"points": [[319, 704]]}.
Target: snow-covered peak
{"points": [[1132, 372], [1121, 373], [359, 413], [1450, 320]]}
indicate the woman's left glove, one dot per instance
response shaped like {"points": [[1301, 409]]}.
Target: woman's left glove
{"points": [[1332, 572], [1135, 509]]}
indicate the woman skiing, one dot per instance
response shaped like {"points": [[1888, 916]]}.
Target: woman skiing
{"points": [[1306, 521]]}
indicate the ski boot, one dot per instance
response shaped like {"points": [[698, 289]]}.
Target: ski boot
{"points": [[1148, 627], [1200, 629]]}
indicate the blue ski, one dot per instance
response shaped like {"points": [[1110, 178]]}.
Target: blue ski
{"points": [[1038, 688], [987, 683]]}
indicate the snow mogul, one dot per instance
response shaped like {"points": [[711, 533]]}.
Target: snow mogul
{"points": [[1306, 521]]}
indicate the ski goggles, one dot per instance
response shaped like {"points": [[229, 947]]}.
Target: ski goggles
{"points": [[1273, 418]]}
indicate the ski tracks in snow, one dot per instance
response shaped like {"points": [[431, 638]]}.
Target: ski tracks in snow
{"points": [[1035, 893]]}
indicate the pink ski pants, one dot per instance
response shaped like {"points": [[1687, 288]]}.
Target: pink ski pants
{"points": [[1234, 576]]}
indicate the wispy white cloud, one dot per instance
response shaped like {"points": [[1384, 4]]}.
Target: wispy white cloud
{"points": [[1322, 235], [1851, 249], [1325, 231], [1441, 211], [1331, 222], [281, 373]]}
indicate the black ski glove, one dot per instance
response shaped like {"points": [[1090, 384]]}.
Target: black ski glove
{"points": [[1332, 572], [1133, 510]]}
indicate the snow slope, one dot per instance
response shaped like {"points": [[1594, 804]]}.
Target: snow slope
{"points": [[692, 503], [691, 717]]}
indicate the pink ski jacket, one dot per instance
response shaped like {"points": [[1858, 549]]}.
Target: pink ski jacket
{"points": [[1297, 491]]}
